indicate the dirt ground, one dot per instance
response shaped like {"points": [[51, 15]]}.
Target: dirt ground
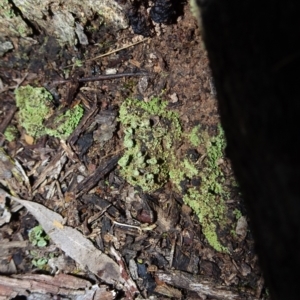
{"points": [[156, 240]]}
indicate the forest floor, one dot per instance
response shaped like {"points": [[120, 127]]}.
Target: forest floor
{"points": [[148, 147]]}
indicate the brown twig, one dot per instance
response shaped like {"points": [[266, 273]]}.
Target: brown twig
{"points": [[99, 78], [119, 49], [113, 51], [7, 119], [5, 123], [19, 82]]}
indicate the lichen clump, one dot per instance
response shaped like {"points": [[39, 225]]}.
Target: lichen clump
{"points": [[36, 105], [11, 133], [194, 136], [207, 200], [66, 123], [152, 134]]}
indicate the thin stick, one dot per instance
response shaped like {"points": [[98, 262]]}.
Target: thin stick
{"points": [[117, 50], [19, 82], [99, 78], [111, 52]]}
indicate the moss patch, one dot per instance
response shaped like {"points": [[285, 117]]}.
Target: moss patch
{"points": [[36, 105], [152, 134]]}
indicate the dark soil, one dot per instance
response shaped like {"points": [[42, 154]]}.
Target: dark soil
{"points": [[173, 254]]}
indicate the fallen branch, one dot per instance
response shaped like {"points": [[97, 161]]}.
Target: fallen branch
{"points": [[201, 285], [61, 284]]}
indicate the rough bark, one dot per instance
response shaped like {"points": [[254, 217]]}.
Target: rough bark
{"points": [[65, 20], [254, 52]]}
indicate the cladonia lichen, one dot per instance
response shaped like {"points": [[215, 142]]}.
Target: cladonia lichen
{"points": [[208, 200], [152, 135], [66, 123], [36, 106], [194, 136], [148, 142], [11, 133]]}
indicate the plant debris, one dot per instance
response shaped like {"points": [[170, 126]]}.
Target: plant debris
{"points": [[138, 198]]}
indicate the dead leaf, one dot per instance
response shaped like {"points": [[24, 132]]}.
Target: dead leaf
{"points": [[29, 139], [72, 242]]}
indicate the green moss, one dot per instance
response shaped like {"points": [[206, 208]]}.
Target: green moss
{"points": [[152, 134], [36, 105], [11, 133]]}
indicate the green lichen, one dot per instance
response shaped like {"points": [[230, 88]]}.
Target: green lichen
{"points": [[36, 105], [78, 63], [237, 213], [208, 200], [181, 170], [6, 10], [152, 135], [11, 133], [194, 136], [66, 123], [148, 141]]}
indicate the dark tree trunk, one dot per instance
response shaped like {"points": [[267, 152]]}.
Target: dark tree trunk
{"points": [[254, 50]]}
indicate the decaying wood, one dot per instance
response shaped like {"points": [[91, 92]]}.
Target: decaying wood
{"points": [[130, 286], [64, 22], [61, 284], [168, 291], [7, 119], [53, 169], [13, 244], [201, 285], [13, 177]]}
